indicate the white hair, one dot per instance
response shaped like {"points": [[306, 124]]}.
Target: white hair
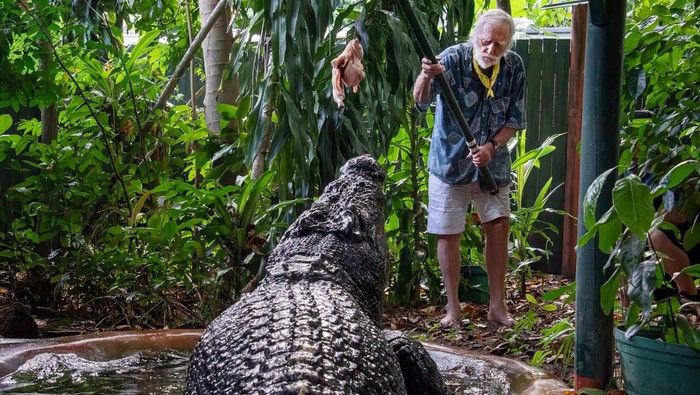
{"points": [[495, 17]]}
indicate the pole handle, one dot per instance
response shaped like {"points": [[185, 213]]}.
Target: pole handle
{"points": [[486, 176]]}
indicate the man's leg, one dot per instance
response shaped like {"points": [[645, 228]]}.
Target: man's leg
{"points": [[447, 209], [496, 255], [449, 257]]}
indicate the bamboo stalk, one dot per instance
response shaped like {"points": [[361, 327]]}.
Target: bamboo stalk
{"points": [[191, 51]]}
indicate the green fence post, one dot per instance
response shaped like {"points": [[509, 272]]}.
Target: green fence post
{"points": [[600, 137]]}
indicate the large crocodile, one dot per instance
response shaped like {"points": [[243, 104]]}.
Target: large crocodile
{"points": [[313, 324]]}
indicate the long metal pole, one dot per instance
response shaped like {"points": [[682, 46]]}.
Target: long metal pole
{"points": [[600, 139], [486, 176]]}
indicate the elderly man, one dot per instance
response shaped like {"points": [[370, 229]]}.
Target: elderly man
{"points": [[488, 81]]}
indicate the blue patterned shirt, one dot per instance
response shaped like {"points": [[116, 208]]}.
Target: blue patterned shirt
{"points": [[486, 116]]}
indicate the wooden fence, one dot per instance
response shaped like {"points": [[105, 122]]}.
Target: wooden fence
{"points": [[546, 59]]}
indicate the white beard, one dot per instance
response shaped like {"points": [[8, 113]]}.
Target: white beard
{"points": [[484, 62]]}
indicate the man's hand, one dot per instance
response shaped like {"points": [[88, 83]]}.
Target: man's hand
{"points": [[484, 155], [430, 69], [488, 151]]}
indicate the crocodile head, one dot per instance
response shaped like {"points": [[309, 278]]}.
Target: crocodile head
{"points": [[341, 238]]}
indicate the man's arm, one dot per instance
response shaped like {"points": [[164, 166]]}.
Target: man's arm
{"points": [[421, 89], [487, 151], [503, 136]]}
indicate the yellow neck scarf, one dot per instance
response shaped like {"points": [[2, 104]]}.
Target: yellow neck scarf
{"points": [[488, 82]]}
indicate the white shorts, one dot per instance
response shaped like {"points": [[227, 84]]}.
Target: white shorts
{"points": [[448, 205]]}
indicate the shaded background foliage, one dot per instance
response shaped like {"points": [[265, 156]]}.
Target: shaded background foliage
{"points": [[661, 51], [142, 217]]}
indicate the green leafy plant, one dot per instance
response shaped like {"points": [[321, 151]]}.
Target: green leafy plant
{"points": [[407, 215], [557, 340], [631, 256], [525, 220], [558, 344], [116, 219], [661, 51]]}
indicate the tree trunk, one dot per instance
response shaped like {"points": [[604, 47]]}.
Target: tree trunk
{"points": [[579, 26], [504, 5], [49, 116], [217, 50], [49, 123], [49, 132]]}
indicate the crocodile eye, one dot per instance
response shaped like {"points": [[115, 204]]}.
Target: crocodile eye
{"points": [[350, 225]]}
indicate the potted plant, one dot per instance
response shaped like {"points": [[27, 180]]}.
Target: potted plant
{"points": [[659, 348]]}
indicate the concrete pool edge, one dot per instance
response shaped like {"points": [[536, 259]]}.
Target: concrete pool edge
{"points": [[99, 346], [525, 379], [102, 346]]}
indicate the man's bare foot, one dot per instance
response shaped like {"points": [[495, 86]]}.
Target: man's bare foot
{"points": [[499, 315], [453, 316]]}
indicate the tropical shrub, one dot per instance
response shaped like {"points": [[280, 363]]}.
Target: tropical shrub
{"points": [[525, 222], [118, 213], [140, 216], [412, 257]]}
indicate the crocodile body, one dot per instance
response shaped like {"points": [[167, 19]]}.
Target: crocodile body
{"points": [[313, 324]]}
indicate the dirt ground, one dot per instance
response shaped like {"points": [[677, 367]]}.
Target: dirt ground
{"points": [[542, 337], [520, 342]]}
